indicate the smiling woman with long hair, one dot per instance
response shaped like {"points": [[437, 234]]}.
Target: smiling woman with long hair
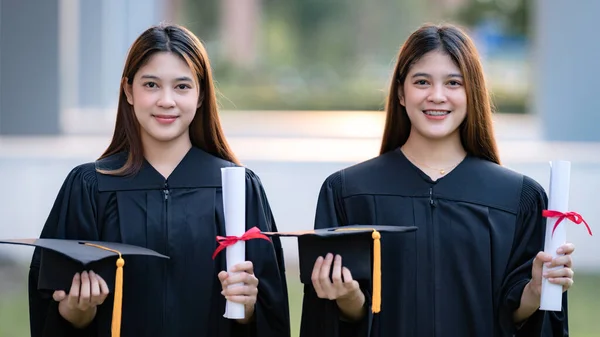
{"points": [[158, 185], [473, 267]]}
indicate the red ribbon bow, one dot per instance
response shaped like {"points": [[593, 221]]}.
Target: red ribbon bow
{"points": [[226, 241], [574, 217]]}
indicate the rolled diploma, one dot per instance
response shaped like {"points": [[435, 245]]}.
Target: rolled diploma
{"points": [[234, 207], [558, 200]]}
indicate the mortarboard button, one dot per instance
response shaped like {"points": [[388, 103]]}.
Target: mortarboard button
{"points": [[62, 259], [359, 246]]}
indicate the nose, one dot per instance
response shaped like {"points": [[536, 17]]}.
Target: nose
{"points": [[437, 94], [166, 100]]}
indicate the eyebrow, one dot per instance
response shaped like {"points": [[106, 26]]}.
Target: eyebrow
{"points": [[429, 76], [178, 79]]}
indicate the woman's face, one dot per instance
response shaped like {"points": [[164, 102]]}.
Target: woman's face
{"points": [[434, 96], [164, 95]]}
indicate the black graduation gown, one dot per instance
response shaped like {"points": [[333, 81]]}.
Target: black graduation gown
{"points": [[462, 272], [179, 217]]}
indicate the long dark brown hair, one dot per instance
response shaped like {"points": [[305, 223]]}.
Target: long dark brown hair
{"points": [[476, 131], [205, 128]]}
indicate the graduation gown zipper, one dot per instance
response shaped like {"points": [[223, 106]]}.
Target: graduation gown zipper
{"points": [[434, 255], [166, 243]]}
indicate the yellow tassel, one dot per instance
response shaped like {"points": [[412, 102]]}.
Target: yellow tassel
{"points": [[376, 305], [118, 303], [376, 301], [116, 321]]}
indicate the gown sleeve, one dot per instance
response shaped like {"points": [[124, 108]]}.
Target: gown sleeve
{"points": [[271, 315], [529, 240], [321, 317], [73, 216]]}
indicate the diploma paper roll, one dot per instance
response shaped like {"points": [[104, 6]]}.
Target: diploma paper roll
{"points": [[234, 207], [558, 200]]}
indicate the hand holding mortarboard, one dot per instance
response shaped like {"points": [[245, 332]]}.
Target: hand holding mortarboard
{"points": [[340, 287], [359, 251], [62, 260], [78, 306]]}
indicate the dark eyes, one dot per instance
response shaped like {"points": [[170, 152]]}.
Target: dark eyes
{"points": [[452, 83], [181, 86]]}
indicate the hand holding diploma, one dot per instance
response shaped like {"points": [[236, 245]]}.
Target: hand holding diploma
{"points": [[246, 294], [240, 286], [234, 206], [552, 272]]}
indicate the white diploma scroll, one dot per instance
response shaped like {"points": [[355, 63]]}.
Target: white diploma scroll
{"points": [[558, 200], [234, 207]]}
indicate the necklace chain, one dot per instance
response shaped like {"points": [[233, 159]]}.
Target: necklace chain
{"points": [[441, 170]]}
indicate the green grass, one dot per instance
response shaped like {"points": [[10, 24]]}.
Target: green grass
{"points": [[584, 306]]}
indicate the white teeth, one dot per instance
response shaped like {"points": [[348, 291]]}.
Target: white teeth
{"points": [[436, 113]]}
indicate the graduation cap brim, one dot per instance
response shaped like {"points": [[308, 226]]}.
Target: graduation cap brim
{"points": [[353, 243], [358, 245], [61, 259]]}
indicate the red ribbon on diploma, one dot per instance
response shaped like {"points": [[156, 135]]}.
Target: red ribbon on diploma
{"points": [[574, 217], [226, 241]]}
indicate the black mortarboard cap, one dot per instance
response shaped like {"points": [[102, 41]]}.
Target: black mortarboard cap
{"points": [[358, 245], [61, 259]]}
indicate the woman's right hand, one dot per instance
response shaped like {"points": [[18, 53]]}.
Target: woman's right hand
{"points": [[88, 290], [341, 287]]}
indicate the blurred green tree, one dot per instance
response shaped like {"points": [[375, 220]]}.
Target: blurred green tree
{"points": [[512, 14]]}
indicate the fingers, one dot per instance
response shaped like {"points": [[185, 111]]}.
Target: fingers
{"points": [[242, 290], [339, 284], [240, 278], [565, 282], [246, 284], [336, 277], [563, 260], [538, 267], [85, 291], [563, 272], [223, 276], [246, 266], [88, 289], [567, 248], [73, 297], [350, 284], [59, 295], [542, 258], [94, 286], [324, 279], [347, 276], [246, 300], [315, 277], [97, 296], [103, 289]]}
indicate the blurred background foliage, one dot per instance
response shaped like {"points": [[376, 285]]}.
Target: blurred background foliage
{"points": [[339, 54]]}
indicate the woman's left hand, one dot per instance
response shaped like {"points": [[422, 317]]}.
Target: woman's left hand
{"points": [[247, 290], [531, 296], [562, 276]]}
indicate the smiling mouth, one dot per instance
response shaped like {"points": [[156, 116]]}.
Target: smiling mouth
{"points": [[436, 113], [164, 116]]}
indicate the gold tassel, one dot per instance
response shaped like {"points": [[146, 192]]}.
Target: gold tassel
{"points": [[376, 301], [376, 305], [118, 302]]}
